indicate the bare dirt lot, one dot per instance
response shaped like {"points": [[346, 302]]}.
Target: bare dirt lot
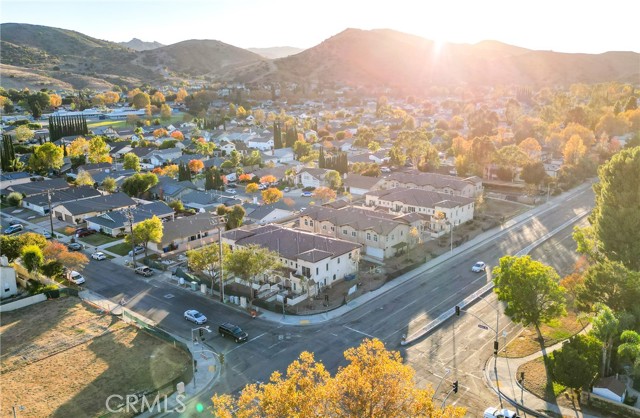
{"points": [[63, 358]]}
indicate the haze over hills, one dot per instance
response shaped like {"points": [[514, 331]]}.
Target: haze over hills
{"points": [[138, 45], [380, 57], [276, 51]]}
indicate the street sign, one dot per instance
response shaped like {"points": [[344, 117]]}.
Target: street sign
{"points": [[483, 326]]}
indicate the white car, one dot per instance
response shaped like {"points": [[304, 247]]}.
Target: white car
{"points": [[99, 256], [195, 317], [75, 277], [499, 413], [385, 170], [139, 249], [478, 267]]}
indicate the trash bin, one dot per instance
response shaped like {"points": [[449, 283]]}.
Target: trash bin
{"points": [[181, 281], [194, 285]]}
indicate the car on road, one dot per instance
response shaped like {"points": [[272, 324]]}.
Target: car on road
{"points": [[144, 271], [138, 249], [492, 412], [478, 267], [233, 331], [231, 191], [195, 317], [99, 256], [46, 234], [306, 194], [84, 232], [286, 189], [231, 186], [75, 277], [12, 229], [75, 246], [385, 170]]}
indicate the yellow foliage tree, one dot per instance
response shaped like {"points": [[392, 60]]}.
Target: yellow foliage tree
{"points": [[375, 383], [531, 147], [77, 147], [251, 188], [55, 100], [574, 150], [271, 195], [160, 132], [181, 94]]}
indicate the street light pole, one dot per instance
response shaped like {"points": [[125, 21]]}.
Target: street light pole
{"points": [[440, 382], [50, 213], [450, 235], [133, 244]]}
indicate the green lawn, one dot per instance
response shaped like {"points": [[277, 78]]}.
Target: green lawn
{"points": [[98, 239], [117, 124], [121, 249]]}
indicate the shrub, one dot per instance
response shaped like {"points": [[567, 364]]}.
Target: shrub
{"points": [[14, 199]]}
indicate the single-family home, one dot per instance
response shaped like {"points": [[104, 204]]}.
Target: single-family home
{"points": [[119, 149], [312, 261], [37, 187], [15, 178], [311, 177], [160, 157], [169, 189], [8, 285], [117, 223], [610, 388], [468, 187], [359, 185], [261, 143], [187, 233], [445, 210], [77, 211], [40, 202], [207, 200], [226, 147], [265, 214]]}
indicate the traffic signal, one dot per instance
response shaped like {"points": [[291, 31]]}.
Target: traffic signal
{"points": [[201, 333], [495, 348], [457, 310], [455, 387]]}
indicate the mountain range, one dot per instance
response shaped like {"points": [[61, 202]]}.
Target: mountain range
{"points": [[58, 58]]}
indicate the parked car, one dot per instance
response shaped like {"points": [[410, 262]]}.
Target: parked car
{"points": [[385, 170], [231, 191], [263, 186], [84, 232], [233, 331], [75, 246], [231, 186], [144, 271], [478, 267], [12, 229], [499, 413], [46, 234], [306, 194], [99, 256], [138, 249], [286, 189], [75, 277], [195, 317]]}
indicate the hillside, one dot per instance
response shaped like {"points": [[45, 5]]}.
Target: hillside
{"points": [[276, 52], [138, 45], [199, 57]]}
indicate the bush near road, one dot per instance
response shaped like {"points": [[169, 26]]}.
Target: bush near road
{"points": [[63, 358]]}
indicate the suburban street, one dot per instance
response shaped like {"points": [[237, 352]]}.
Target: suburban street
{"points": [[459, 346]]}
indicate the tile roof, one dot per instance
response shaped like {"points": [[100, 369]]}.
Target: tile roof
{"points": [[438, 181], [421, 198], [357, 218]]}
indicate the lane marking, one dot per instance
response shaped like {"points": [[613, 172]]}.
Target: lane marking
{"points": [[359, 332]]}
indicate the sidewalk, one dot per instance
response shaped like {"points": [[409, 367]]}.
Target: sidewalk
{"points": [[511, 390]]}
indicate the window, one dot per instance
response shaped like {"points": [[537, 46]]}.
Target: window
{"points": [[333, 228], [324, 227], [317, 270], [344, 232], [375, 238], [349, 256], [368, 236], [306, 222], [327, 266], [338, 260], [306, 272], [310, 223], [353, 233]]}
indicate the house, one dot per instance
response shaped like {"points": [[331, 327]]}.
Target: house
{"points": [[142, 152], [77, 211], [444, 209], [265, 214], [40, 202], [119, 149], [312, 261], [94, 167], [311, 177], [12, 179], [283, 155], [169, 189], [160, 157], [207, 200], [358, 185], [226, 147], [382, 234], [261, 143], [610, 388], [187, 233], [37, 187], [117, 223], [469, 187], [8, 286]]}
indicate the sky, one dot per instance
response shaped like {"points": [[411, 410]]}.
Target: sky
{"points": [[586, 26]]}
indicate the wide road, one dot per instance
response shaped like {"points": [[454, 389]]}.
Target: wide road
{"points": [[459, 346]]}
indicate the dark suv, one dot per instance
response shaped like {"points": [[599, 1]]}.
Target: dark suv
{"points": [[84, 232], [233, 331]]}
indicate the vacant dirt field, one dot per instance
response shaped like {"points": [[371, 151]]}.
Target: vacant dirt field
{"points": [[63, 358]]}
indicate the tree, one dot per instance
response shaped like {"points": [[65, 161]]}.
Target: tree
{"points": [[629, 349], [141, 100], [14, 199], [533, 173], [268, 179], [605, 327], [23, 133], [325, 194], [531, 147], [576, 363], [251, 188], [84, 179], [57, 251], [249, 262], [530, 289], [206, 259], [160, 133], [46, 157], [301, 149], [78, 147], [131, 162], [615, 217], [176, 205], [149, 230], [109, 184], [139, 183], [333, 179], [609, 283], [98, 151], [374, 383], [32, 257], [196, 166], [271, 195], [11, 246], [574, 150], [234, 215], [177, 135], [511, 157], [55, 100]]}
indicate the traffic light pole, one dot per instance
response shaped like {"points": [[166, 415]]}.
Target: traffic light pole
{"points": [[454, 389]]}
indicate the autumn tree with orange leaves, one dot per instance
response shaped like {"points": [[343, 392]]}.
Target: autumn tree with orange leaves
{"points": [[196, 166], [325, 194], [374, 383]]}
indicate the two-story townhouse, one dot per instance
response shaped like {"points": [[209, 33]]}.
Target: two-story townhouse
{"points": [[468, 187], [314, 261], [382, 234], [446, 211]]}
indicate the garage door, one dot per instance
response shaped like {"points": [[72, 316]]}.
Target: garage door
{"points": [[375, 252]]}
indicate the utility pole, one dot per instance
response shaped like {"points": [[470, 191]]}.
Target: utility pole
{"points": [[50, 213], [221, 220], [133, 244]]}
